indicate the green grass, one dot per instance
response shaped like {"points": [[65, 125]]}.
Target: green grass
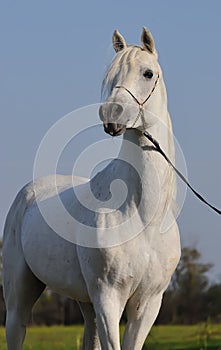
{"points": [[197, 337], [47, 338]]}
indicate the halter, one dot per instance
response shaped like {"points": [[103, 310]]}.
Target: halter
{"points": [[141, 104]]}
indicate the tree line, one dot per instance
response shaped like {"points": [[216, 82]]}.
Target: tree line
{"points": [[189, 299]]}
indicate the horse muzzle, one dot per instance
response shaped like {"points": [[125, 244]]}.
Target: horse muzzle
{"points": [[110, 113]]}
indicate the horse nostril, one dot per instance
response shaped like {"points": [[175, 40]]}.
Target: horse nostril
{"points": [[110, 111], [116, 110]]}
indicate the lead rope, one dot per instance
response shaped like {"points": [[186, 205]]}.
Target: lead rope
{"points": [[157, 145], [159, 149]]}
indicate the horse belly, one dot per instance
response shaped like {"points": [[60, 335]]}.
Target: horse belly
{"points": [[52, 259]]}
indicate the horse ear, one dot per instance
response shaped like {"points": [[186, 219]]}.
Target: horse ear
{"points": [[119, 42], [147, 41]]}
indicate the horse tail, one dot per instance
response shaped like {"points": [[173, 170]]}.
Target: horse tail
{"points": [[23, 200]]}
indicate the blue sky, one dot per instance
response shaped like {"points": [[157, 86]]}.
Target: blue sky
{"points": [[53, 58]]}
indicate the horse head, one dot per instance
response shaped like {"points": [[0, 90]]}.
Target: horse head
{"points": [[129, 83]]}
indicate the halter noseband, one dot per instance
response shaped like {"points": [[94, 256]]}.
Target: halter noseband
{"points": [[141, 104]]}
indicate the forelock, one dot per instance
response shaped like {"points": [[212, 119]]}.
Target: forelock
{"points": [[119, 62]]}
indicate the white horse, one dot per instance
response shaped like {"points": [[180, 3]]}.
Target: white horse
{"points": [[105, 280]]}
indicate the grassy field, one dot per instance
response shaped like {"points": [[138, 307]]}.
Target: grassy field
{"points": [[198, 337]]}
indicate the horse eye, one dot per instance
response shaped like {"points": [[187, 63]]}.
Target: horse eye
{"points": [[148, 74]]}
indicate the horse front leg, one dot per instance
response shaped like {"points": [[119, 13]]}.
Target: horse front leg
{"points": [[91, 338], [141, 316], [108, 307]]}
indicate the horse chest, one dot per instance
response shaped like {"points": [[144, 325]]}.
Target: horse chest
{"points": [[130, 268], [164, 256], [156, 261]]}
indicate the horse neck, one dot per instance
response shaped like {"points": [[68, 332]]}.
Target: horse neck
{"points": [[155, 175], [145, 152]]}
